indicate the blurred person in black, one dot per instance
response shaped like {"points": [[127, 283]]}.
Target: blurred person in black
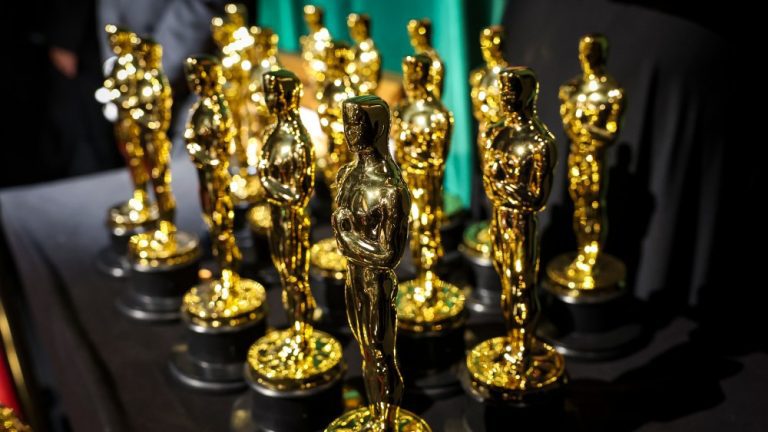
{"points": [[56, 61]]}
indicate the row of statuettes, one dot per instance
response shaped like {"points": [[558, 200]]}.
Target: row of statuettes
{"points": [[251, 149]]}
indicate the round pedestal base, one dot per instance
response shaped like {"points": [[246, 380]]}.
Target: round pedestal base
{"points": [[266, 410], [595, 325], [359, 420], [111, 264], [430, 362], [113, 259], [493, 377], [212, 358], [155, 294]]}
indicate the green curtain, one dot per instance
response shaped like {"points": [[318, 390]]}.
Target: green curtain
{"points": [[456, 26]]}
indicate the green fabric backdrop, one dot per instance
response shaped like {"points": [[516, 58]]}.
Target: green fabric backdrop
{"points": [[456, 25]]}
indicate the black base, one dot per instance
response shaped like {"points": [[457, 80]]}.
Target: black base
{"points": [[306, 411], [430, 363], [451, 233], [113, 259], [112, 264], [485, 297], [156, 294], [330, 298], [545, 414], [593, 327], [212, 359]]}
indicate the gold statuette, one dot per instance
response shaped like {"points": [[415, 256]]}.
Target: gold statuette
{"points": [[121, 87], [229, 300], [420, 33], [151, 109], [484, 81], [314, 44], [371, 225], [236, 51], [365, 68], [421, 130], [264, 59], [300, 357], [486, 107], [591, 106], [518, 163], [338, 87]]}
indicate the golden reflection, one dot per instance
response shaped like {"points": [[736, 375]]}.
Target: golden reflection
{"points": [[230, 299], [420, 33], [518, 162], [371, 227], [591, 106], [365, 68], [150, 108], [314, 44], [299, 357], [120, 87], [239, 57], [421, 131]]}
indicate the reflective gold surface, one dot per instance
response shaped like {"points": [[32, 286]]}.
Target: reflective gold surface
{"points": [[371, 227], [327, 260], [591, 106], [260, 219], [421, 131], [518, 163], [151, 110], [365, 68], [284, 360], [238, 56], [338, 87], [314, 44], [420, 33], [360, 420], [264, 59], [486, 107], [229, 300], [120, 85], [484, 81], [9, 421]]}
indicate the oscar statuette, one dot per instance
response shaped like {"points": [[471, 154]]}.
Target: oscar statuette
{"points": [[371, 227], [138, 214], [476, 241], [264, 60], [295, 374], [223, 316], [516, 369], [430, 310], [455, 218], [165, 260], [588, 311], [313, 46], [328, 266], [365, 68]]}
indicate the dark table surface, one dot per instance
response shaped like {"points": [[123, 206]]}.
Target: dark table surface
{"points": [[110, 373]]}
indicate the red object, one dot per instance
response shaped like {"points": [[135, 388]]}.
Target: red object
{"points": [[8, 395]]}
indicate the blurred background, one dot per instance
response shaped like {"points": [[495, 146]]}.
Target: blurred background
{"points": [[672, 215]]}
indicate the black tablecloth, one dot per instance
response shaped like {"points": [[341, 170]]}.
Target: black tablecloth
{"points": [[110, 374]]}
